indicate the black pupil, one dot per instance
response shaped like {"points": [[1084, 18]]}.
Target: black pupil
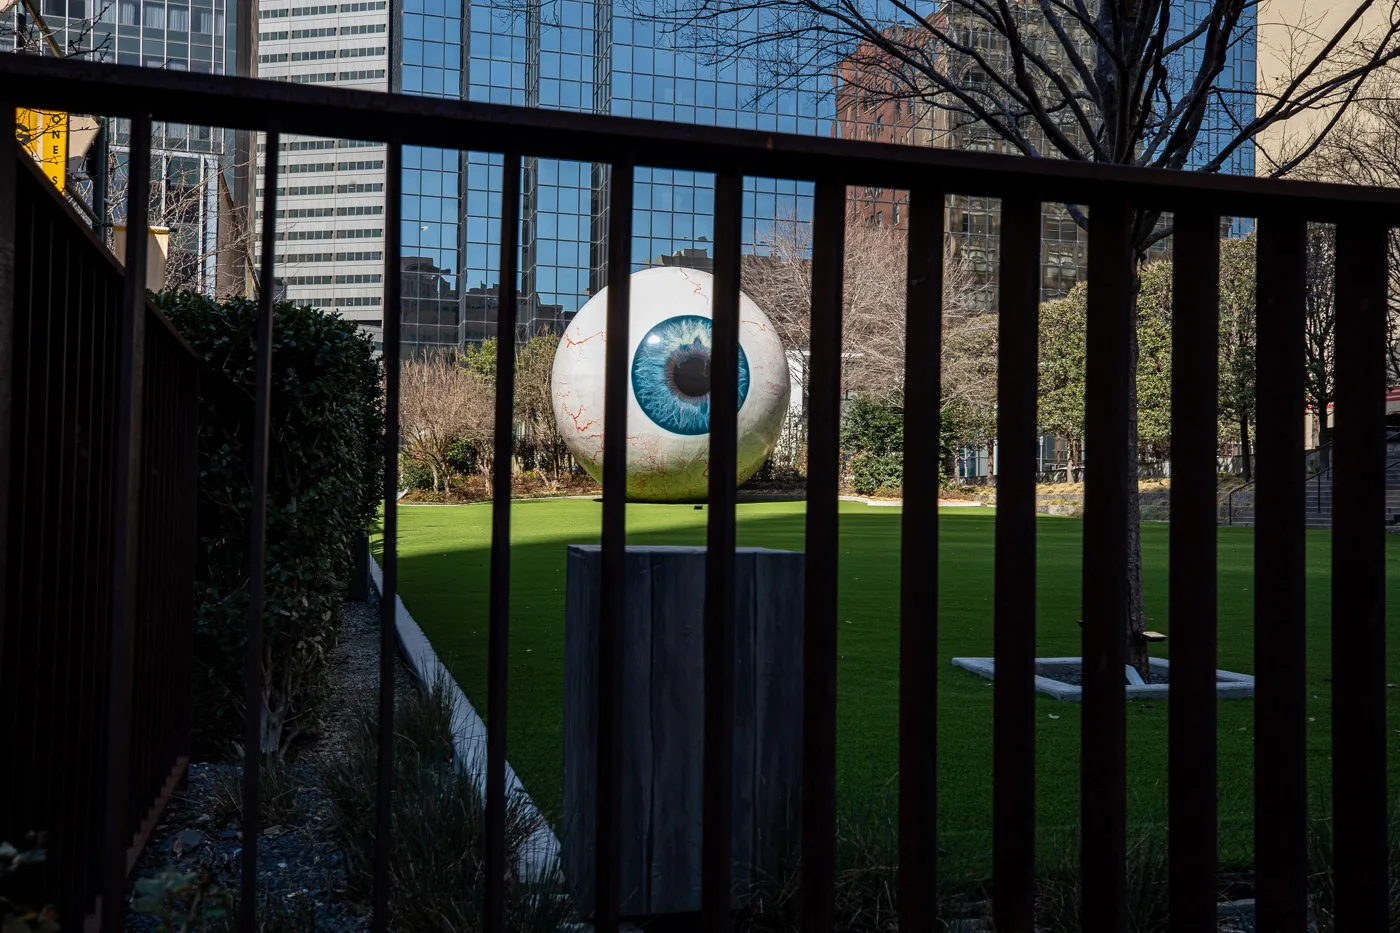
{"points": [[692, 376]]}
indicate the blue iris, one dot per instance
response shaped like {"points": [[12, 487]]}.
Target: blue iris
{"points": [[671, 374]]}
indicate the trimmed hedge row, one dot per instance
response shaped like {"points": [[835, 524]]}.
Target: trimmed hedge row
{"points": [[324, 486]]}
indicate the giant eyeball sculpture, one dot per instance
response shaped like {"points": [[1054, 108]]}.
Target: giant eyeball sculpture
{"points": [[668, 385]]}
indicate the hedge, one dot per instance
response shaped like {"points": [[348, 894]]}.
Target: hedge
{"points": [[324, 486], [872, 472]]}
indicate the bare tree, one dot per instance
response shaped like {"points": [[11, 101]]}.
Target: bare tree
{"points": [[1319, 296], [1237, 343], [440, 401], [873, 318], [1365, 147], [1131, 82], [23, 28], [534, 400], [190, 197], [872, 327]]}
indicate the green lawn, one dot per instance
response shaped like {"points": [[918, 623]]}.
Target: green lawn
{"points": [[444, 558]]}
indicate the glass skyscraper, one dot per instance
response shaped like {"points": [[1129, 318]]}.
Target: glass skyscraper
{"points": [[578, 55], [189, 162], [610, 57], [330, 195]]}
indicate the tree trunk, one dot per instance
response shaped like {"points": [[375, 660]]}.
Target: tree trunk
{"points": [[1136, 652], [1248, 465]]}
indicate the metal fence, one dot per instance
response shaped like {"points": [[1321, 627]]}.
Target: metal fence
{"points": [[98, 427], [1113, 193]]}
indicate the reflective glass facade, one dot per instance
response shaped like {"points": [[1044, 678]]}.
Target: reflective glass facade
{"points": [[596, 57], [431, 227], [181, 35], [611, 57]]}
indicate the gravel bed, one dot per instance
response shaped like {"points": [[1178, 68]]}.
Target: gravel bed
{"points": [[1074, 676], [354, 673], [301, 876]]}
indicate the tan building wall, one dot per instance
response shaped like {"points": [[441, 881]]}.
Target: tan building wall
{"points": [[1291, 33]]}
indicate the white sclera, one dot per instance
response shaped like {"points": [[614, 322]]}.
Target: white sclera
{"points": [[663, 466]]}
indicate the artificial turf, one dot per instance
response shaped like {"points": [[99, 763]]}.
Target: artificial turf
{"points": [[443, 578]]}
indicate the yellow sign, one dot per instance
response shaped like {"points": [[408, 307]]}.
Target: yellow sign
{"points": [[44, 135]]}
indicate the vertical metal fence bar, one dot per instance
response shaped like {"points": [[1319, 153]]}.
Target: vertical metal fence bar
{"points": [[190, 524], [717, 846], [1280, 779], [1191, 702], [82, 313], [67, 631], [608, 823], [820, 589], [388, 597], [103, 436], [31, 511], [918, 572], [15, 230], [30, 228], [1103, 763], [257, 544], [131, 351], [498, 672], [1359, 808], [9, 195], [1013, 689]]}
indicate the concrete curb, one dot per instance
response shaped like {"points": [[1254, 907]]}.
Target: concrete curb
{"points": [[1230, 685], [458, 505], [540, 855], [876, 503], [899, 503]]}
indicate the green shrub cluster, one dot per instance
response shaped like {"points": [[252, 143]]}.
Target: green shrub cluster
{"points": [[324, 486], [873, 472], [414, 474], [872, 431]]}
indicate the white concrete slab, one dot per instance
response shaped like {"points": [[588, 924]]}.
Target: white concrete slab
{"points": [[539, 857], [1230, 685]]}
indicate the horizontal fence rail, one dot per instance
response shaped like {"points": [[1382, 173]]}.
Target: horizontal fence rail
{"points": [[1115, 195], [65, 320], [246, 103]]}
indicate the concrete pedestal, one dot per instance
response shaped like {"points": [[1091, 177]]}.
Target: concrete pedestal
{"points": [[662, 696]]}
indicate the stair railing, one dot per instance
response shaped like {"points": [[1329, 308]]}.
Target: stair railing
{"points": [[1315, 478]]}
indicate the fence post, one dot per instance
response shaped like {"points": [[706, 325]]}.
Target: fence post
{"points": [[918, 573], [1013, 695], [1104, 742], [1191, 702], [9, 196], [257, 545], [1280, 507], [131, 369], [819, 596], [1358, 580]]}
